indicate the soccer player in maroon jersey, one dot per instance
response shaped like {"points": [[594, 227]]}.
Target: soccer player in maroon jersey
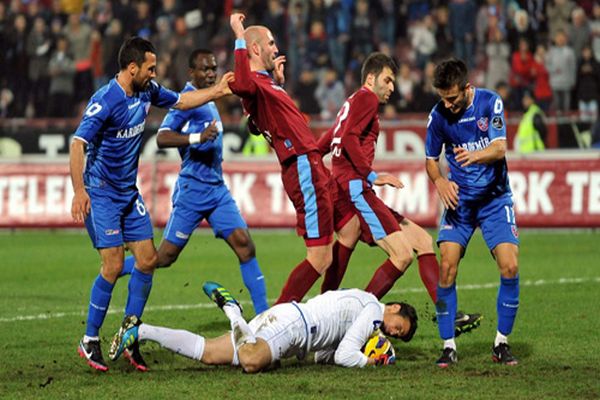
{"points": [[305, 178]]}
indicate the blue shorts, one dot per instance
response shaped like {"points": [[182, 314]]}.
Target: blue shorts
{"points": [[495, 217], [193, 202], [117, 217]]}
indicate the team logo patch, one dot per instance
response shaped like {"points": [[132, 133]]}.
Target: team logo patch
{"points": [[497, 123], [446, 227], [288, 144], [482, 123], [181, 235], [111, 232], [515, 231]]}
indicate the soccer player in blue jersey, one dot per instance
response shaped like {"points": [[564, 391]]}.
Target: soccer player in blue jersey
{"points": [[200, 192], [468, 123], [105, 195]]}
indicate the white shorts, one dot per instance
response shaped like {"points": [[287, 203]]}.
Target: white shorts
{"points": [[285, 330]]}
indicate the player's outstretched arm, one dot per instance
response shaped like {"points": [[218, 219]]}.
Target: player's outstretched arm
{"points": [[168, 138], [494, 152], [196, 98], [447, 190], [80, 207]]}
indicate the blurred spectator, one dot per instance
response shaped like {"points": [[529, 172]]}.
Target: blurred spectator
{"points": [[498, 53], [274, 19], [521, 76], [182, 47], [559, 13], [113, 38], [316, 47], [17, 63], [79, 35], [405, 89], [503, 90], [536, 10], [521, 29], [330, 94], [426, 95], [296, 32], [595, 32], [4, 28], [562, 67], [462, 27], [38, 50], [61, 70], [443, 35], [596, 135], [588, 85], [338, 34], [142, 24], [532, 128], [490, 18], [316, 11], [579, 31], [305, 92], [423, 40], [386, 21], [541, 86], [362, 30]]}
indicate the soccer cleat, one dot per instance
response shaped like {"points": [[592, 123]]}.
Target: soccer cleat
{"points": [[464, 323], [132, 353], [219, 295], [448, 358], [92, 352], [501, 354], [125, 337]]}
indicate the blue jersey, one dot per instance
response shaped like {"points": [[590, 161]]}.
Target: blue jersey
{"points": [[473, 129], [200, 161], [112, 126]]}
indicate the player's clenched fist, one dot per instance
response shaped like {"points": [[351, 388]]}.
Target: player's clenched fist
{"points": [[236, 21]]}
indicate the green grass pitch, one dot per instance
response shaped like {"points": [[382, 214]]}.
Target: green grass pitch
{"points": [[45, 280]]}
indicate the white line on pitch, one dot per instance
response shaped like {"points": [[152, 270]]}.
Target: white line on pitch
{"points": [[169, 307]]}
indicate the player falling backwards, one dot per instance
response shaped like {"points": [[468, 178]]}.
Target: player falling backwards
{"points": [[200, 192], [334, 325], [468, 123], [358, 212], [106, 196], [304, 176]]}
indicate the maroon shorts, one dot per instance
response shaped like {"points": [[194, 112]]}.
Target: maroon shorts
{"points": [[377, 220], [305, 180]]}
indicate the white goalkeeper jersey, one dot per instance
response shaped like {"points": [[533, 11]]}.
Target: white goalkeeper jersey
{"points": [[342, 320]]}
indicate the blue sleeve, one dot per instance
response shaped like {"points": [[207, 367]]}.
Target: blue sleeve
{"points": [[434, 140], [93, 120], [497, 124], [161, 96], [175, 120]]}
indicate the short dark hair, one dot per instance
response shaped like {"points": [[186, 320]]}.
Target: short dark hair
{"points": [[449, 73], [407, 311], [375, 63], [134, 50], [194, 54]]}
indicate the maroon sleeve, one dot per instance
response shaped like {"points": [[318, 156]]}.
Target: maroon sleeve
{"points": [[324, 142], [244, 84], [362, 110]]}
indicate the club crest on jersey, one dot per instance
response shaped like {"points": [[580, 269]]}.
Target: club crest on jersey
{"points": [[482, 124], [515, 231]]}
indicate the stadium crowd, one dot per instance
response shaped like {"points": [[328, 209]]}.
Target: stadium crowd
{"points": [[55, 53]]}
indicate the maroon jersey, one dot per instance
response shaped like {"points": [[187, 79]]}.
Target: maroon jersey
{"points": [[272, 110], [354, 137]]}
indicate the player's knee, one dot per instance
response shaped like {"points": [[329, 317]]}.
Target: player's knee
{"points": [[147, 263], [111, 271], [447, 273], [509, 270], [251, 362], [247, 251], [166, 259], [401, 260]]}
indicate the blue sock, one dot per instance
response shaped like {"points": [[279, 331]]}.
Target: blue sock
{"points": [[445, 308], [508, 304], [128, 265], [140, 284], [255, 282], [99, 300]]}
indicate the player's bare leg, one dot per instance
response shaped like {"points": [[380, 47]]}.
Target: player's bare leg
{"points": [[167, 253], [400, 256], [347, 237], [506, 255], [254, 357]]}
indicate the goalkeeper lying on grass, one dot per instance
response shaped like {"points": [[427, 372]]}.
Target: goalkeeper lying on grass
{"points": [[335, 325]]}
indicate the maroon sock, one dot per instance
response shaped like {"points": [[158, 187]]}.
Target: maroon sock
{"points": [[383, 279], [298, 283], [429, 269], [337, 269]]}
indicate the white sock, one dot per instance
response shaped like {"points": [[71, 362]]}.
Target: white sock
{"points": [[450, 343], [182, 342], [242, 333], [500, 338], [87, 339]]}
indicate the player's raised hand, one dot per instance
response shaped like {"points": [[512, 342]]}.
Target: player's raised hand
{"points": [[210, 133], [388, 179], [223, 85], [464, 157], [278, 74], [236, 21], [448, 192], [80, 207]]}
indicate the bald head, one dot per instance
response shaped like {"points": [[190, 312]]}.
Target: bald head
{"points": [[261, 46], [255, 33]]}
